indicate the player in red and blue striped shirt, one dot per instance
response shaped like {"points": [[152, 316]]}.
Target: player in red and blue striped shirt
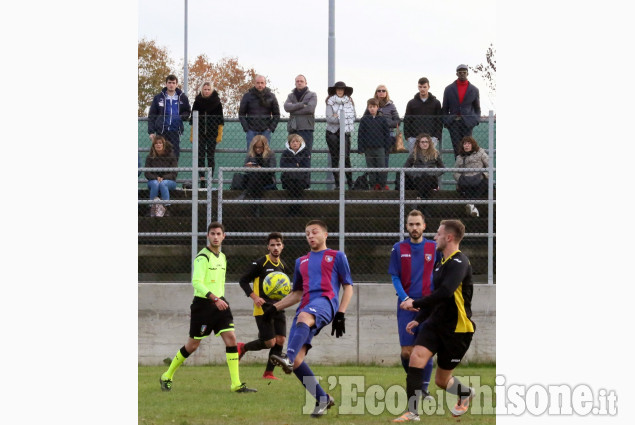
{"points": [[317, 279], [411, 267]]}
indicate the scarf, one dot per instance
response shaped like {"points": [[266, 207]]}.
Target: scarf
{"points": [[346, 104], [299, 93], [261, 96]]}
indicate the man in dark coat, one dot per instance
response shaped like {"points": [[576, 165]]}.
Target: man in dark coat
{"points": [[423, 115], [461, 108], [259, 112]]}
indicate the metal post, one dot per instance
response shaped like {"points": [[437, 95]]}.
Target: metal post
{"points": [[342, 176], [490, 205], [185, 54], [209, 175], [219, 196], [194, 185], [331, 70], [402, 198]]}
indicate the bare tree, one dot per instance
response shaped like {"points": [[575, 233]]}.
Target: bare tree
{"points": [[488, 72]]}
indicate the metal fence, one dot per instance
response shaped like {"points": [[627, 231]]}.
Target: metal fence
{"points": [[364, 221]]}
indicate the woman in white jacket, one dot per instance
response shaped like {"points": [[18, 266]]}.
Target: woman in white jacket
{"points": [[339, 102]]}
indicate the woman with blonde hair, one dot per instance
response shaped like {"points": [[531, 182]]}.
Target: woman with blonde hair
{"points": [[424, 155], [259, 156], [388, 110], [210, 126]]}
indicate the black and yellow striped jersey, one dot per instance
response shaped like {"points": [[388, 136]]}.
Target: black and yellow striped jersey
{"points": [[450, 304], [257, 272]]}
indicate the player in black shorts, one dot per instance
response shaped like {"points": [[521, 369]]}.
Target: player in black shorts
{"points": [[272, 333], [448, 329]]}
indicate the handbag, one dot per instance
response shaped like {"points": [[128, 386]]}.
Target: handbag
{"points": [[238, 182], [398, 147], [470, 181]]}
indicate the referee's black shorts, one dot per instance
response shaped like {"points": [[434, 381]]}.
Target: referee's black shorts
{"points": [[449, 346], [206, 317], [268, 329]]}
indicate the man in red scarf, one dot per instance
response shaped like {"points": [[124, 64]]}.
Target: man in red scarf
{"points": [[461, 108]]}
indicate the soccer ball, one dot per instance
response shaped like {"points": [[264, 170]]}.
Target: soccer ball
{"points": [[276, 285]]}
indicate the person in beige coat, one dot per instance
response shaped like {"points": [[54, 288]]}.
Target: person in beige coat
{"points": [[471, 184]]}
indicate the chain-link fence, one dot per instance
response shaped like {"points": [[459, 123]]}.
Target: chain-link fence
{"points": [[365, 216]]}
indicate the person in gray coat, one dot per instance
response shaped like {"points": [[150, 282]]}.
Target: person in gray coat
{"points": [[461, 108], [300, 105]]}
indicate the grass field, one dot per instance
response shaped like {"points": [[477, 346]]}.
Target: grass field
{"points": [[200, 395]]}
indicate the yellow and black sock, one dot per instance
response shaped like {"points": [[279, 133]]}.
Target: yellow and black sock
{"points": [[177, 361], [232, 363]]}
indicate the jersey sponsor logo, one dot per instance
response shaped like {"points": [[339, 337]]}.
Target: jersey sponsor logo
{"points": [[269, 270], [312, 309], [304, 261], [203, 329], [428, 257], [405, 255], [455, 360], [254, 263], [457, 260], [328, 258]]}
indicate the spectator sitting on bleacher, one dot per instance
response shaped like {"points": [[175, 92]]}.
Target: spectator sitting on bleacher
{"points": [[296, 155], [160, 182], [259, 156], [373, 139], [471, 184], [424, 155]]}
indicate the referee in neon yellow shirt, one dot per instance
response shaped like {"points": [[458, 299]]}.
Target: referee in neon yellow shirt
{"points": [[210, 310]]}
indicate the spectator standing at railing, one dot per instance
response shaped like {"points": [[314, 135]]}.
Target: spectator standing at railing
{"points": [[423, 115], [259, 156], [210, 126], [296, 155], [373, 139], [168, 111], [425, 155], [339, 101], [259, 112], [471, 184], [461, 108], [300, 105], [389, 111], [161, 182]]}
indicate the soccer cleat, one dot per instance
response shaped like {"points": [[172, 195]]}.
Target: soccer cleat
{"points": [[243, 389], [269, 375], [166, 384], [462, 404], [425, 395], [241, 350], [407, 417], [322, 407], [283, 361]]}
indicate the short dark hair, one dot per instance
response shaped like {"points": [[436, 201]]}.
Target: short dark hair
{"points": [[216, 225], [471, 140], [171, 77], [424, 80], [319, 223], [372, 101], [456, 227], [274, 236], [417, 213]]}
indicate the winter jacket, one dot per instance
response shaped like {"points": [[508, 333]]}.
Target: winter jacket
{"points": [[470, 109], [423, 117], [161, 161], [478, 159], [264, 163], [333, 106], [210, 115], [256, 115], [420, 162], [388, 111], [301, 112], [373, 133], [159, 116], [299, 159]]}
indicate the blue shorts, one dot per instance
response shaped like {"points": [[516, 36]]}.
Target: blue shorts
{"points": [[322, 310], [403, 318]]}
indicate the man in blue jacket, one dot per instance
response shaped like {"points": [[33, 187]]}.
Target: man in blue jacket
{"points": [[168, 111], [461, 108]]}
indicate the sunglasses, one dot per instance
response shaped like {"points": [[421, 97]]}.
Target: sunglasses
{"points": [[380, 91]]}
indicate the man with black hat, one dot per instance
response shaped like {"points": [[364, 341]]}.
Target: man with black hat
{"points": [[461, 108]]}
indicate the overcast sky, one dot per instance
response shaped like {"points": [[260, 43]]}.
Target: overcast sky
{"points": [[376, 42]]}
